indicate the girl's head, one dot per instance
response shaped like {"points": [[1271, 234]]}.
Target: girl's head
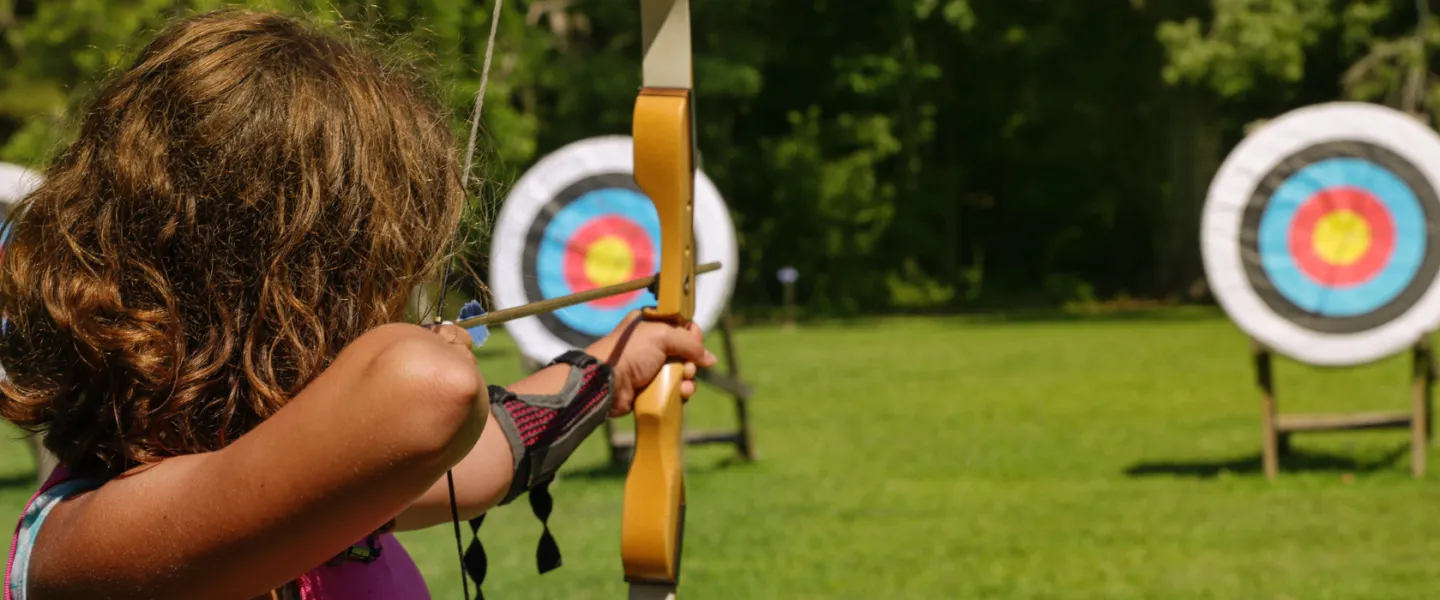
{"points": [[241, 203]]}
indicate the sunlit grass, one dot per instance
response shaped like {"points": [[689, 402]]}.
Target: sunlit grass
{"points": [[950, 458]]}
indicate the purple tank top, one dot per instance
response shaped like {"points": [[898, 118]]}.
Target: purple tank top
{"points": [[392, 576]]}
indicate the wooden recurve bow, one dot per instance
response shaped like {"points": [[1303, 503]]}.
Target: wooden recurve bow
{"points": [[652, 521]]}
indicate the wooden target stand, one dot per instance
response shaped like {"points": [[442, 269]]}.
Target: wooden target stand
{"points": [[729, 381], [1279, 427]]}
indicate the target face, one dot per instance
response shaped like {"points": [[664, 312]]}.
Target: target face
{"points": [[1317, 233], [578, 221], [16, 182]]}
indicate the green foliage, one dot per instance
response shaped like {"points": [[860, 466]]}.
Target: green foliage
{"points": [[51, 56], [911, 154], [1392, 69], [955, 12], [1244, 42]]}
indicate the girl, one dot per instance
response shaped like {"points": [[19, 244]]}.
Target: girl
{"points": [[201, 303]]}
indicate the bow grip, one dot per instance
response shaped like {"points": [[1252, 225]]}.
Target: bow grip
{"points": [[653, 512]]}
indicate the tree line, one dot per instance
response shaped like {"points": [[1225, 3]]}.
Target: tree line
{"points": [[903, 155]]}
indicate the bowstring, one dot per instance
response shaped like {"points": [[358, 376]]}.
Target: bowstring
{"points": [[465, 178]]}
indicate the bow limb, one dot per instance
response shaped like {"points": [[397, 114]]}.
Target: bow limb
{"points": [[653, 514]]}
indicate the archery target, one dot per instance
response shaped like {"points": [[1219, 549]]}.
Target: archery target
{"points": [[16, 182], [1317, 230], [577, 221]]}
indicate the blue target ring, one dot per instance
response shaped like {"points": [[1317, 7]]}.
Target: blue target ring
{"points": [[563, 242], [1317, 297]]}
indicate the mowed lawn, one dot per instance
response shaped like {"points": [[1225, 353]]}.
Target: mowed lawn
{"points": [[964, 458]]}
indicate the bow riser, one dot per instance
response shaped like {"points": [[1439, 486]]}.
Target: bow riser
{"points": [[665, 171], [654, 491]]}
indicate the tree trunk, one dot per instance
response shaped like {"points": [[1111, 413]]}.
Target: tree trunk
{"points": [[1194, 154]]}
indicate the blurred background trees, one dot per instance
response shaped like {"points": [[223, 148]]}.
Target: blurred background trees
{"points": [[904, 155]]}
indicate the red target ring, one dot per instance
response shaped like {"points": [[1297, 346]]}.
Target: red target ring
{"points": [[1356, 260], [606, 251]]}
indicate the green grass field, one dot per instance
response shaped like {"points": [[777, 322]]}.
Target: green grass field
{"points": [[951, 458]]}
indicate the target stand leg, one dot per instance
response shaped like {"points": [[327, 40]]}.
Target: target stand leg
{"points": [[1430, 373], [1279, 428], [1269, 415], [618, 455], [1421, 380], [740, 391]]}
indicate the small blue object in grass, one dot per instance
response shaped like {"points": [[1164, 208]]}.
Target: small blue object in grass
{"points": [[480, 333]]}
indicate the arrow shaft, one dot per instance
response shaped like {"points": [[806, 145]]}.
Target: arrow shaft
{"points": [[553, 304]]}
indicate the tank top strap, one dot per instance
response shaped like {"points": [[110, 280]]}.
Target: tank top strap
{"points": [[392, 575], [56, 489]]}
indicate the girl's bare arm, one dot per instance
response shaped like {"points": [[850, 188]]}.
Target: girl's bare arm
{"points": [[379, 427], [636, 351]]}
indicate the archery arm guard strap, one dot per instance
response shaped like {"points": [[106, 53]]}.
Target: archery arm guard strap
{"points": [[543, 431]]}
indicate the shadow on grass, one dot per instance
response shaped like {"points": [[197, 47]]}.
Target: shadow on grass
{"points": [[1294, 461], [484, 352], [1039, 316], [609, 470], [18, 480]]}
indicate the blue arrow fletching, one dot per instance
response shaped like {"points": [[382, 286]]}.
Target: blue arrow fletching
{"points": [[480, 333]]}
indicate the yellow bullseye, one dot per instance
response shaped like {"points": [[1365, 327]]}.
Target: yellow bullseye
{"points": [[609, 261], [1341, 237]]}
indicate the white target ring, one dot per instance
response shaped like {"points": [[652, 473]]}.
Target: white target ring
{"points": [[16, 182], [1317, 233], [577, 221]]}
